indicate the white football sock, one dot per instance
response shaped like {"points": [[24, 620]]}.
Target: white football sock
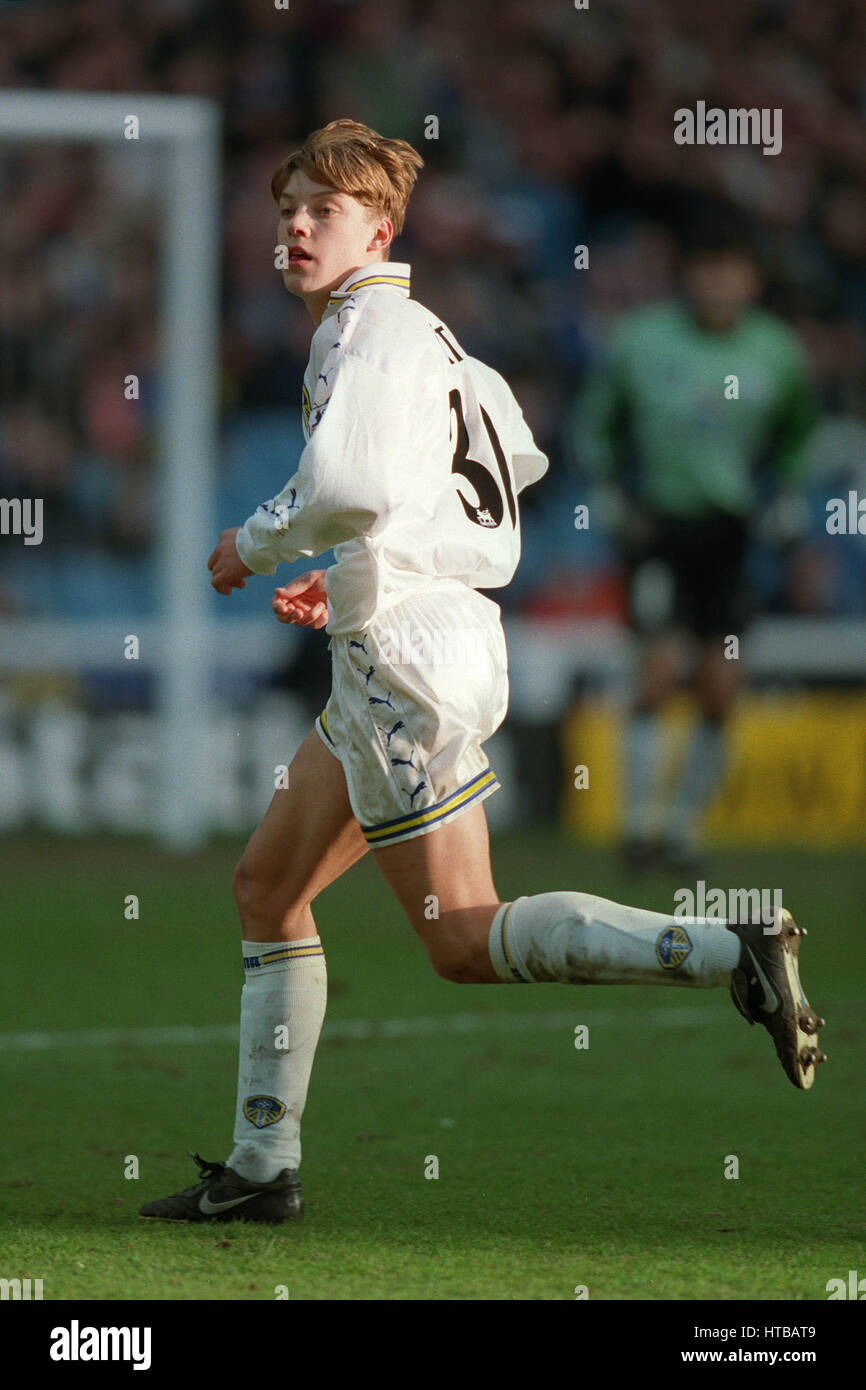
{"points": [[282, 1009], [579, 939]]}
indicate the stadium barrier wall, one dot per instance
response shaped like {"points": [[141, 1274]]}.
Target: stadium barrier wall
{"points": [[796, 773]]}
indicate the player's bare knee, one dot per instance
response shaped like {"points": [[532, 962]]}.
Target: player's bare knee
{"points": [[267, 909], [255, 897]]}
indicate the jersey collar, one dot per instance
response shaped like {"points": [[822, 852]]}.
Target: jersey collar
{"points": [[396, 274]]}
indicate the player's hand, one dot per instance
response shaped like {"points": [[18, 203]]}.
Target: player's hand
{"points": [[303, 601], [227, 569]]}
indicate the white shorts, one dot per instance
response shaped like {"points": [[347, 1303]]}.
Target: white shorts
{"points": [[413, 698]]}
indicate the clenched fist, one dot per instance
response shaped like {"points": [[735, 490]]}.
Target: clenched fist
{"points": [[227, 569]]}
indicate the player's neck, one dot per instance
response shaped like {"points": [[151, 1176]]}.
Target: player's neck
{"points": [[317, 302]]}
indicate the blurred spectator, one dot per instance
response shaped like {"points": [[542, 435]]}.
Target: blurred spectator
{"points": [[677, 459]]}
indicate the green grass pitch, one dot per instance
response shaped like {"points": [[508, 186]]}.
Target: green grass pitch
{"points": [[602, 1167]]}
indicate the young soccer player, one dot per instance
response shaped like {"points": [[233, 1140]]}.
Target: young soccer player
{"points": [[415, 457]]}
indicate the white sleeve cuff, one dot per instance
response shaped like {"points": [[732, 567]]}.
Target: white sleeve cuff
{"points": [[253, 559]]}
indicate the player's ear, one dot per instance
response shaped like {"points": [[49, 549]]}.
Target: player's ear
{"points": [[382, 235]]}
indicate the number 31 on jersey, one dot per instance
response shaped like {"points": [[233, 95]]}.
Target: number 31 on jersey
{"points": [[490, 507]]}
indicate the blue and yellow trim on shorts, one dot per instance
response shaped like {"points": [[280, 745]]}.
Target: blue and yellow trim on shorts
{"points": [[322, 726], [416, 822]]}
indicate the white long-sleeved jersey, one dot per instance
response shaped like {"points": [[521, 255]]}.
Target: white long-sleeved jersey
{"points": [[415, 457]]}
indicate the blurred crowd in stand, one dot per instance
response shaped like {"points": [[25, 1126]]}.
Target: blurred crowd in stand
{"points": [[554, 129]]}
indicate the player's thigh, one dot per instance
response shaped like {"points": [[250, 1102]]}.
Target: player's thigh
{"points": [[444, 883], [307, 837]]}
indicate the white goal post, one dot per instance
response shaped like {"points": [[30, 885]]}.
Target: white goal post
{"points": [[188, 129]]}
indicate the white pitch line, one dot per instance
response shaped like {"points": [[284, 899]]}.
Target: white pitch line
{"points": [[359, 1029]]}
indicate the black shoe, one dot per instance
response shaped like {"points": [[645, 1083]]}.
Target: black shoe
{"points": [[766, 988], [223, 1195]]}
